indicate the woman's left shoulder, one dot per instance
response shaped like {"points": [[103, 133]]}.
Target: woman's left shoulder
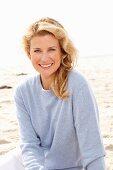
{"points": [[78, 82], [77, 79]]}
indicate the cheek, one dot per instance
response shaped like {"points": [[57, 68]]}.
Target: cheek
{"points": [[58, 60], [35, 63], [34, 59]]}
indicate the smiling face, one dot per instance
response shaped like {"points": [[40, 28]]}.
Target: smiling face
{"points": [[45, 55]]}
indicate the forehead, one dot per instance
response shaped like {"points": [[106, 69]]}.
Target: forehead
{"points": [[47, 39]]}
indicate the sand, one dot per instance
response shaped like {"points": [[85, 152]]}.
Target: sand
{"points": [[99, 72]]}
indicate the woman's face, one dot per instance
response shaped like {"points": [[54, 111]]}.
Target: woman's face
{"points": [[45, 55]]}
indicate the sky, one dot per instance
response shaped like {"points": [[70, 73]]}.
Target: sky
{"points": [[88, 22]]}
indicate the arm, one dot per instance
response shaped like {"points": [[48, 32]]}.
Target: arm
{"points": [[98, 164], [32, 153], [88, 131]]}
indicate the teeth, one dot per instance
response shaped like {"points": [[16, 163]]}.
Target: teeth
{"points": [[45, 65]]}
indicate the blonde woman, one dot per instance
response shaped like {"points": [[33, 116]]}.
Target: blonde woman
{"points": [[56, 108]]}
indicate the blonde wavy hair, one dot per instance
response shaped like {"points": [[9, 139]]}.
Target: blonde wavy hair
{"points": [[69, 52]]}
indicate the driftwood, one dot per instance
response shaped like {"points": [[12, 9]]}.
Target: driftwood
{"points": [[21, 74], [5, 87]]}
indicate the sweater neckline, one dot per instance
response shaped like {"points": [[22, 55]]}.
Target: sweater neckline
{"points": [[41, 87]]}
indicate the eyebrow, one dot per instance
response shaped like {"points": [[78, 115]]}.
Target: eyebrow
{"points": [[48, 47], [36, 48], [53, 47]]}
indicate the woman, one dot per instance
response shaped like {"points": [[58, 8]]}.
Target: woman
{"points": [[56, 109]]}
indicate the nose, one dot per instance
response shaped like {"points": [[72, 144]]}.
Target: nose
{"points": [[44, 57]]}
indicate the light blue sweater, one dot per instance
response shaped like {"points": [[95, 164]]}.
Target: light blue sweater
{"points": [[59, 134]]}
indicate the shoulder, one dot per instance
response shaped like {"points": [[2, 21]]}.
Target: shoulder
{"points": [[77, 79], [78, 82], [26, 84], [80, 88]]}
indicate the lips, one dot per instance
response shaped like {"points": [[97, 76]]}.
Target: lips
{"points": [[45, 65]]}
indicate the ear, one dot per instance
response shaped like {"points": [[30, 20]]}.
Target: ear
{"points": [[28, 54], [29, 57]]}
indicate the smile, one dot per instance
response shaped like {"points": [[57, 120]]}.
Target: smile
{"points": [[45, 65]]}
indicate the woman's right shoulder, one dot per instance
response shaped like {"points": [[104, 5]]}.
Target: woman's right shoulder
{"points": [[26, 83]]}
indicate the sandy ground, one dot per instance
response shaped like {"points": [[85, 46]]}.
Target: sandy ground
{"points": [[98, 70]]}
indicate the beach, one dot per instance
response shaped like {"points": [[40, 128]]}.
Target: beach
{"points": [[98, 70]]}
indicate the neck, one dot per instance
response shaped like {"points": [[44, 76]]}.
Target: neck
{"points": [[46, 82]]}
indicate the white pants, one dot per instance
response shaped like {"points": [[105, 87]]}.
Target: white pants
{"points": [[12, 160]]}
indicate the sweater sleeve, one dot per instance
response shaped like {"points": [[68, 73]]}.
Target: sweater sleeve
{"points": [[32, 153], [86, 118], [98, 164]]}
